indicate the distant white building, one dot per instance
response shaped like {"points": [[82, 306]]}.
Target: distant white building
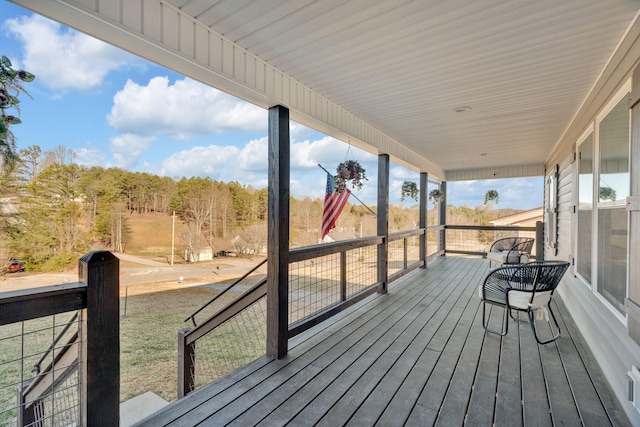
{"points": [[521, 219]]}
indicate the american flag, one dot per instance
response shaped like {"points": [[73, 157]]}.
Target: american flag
{"points": [[333, 204]]}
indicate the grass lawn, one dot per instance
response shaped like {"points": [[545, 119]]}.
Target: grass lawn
{"points": [[149, 334]]}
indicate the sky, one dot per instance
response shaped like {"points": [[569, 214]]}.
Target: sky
{"points": [[113, 109]]}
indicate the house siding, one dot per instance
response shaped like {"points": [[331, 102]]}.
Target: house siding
{"points": [[607, 336]]}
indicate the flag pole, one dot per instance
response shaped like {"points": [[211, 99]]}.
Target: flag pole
{"points": [[356, 197]]}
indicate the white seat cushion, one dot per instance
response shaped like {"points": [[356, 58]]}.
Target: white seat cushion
{"points": [[500, 257], [518, 299]]}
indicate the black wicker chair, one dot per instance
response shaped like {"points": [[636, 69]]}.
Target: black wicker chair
{"points": [[524, 287], [510, 250]]}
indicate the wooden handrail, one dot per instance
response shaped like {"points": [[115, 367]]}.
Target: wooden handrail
{"points": [[246, 299], [399, 235], [192, 317], [96, 295], [323, 249], [489, 227], [27, 304]]}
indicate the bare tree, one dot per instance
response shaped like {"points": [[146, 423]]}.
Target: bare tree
{"points": [[252, 240]]}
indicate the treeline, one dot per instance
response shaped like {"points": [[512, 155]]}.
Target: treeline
{"points": [[53, 209]]}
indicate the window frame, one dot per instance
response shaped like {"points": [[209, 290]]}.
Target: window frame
{"points": [[590, 131], [617, 97]]}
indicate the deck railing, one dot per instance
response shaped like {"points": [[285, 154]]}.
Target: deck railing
{"points": [[80, 381], [323, 281], [476, 240]]}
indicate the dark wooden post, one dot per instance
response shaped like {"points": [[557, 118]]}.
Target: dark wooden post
{"points": [[383, 221], [343, 276], [100, 340], [443, 217], [186, 368], [423, 217], [27, 414], [278, 233], [539, 241], [405, 254]]}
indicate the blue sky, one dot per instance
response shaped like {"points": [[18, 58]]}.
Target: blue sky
{"points": [[114, 109]]}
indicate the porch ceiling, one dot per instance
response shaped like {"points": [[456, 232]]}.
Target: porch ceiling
{"points": [[404, 66]]}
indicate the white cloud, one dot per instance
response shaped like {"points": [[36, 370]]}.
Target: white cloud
{"points": [[127, 149], [183, 110], [90, 157], [64, 59], [214, 161], [254, 156], [402, 173]]}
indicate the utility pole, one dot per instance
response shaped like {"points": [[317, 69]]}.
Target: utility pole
{"points": [[173, 234]]}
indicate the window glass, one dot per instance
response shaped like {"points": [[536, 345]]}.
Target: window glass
{"points": [[585, 207], [613, 189]]}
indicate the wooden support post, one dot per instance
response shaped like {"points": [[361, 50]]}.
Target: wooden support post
{"points": [[186, 366], [100, 340], [405, 255], [383, 221], [423, 217], [343, 276], [278, 233], [443, 217], [539, 241], [27, 413]]}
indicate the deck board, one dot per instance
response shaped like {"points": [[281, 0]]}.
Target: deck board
{"points": [[508, 405], [416, 356]]}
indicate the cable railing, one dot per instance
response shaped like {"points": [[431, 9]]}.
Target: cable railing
{"points": [[404, 253], [476, 240], [47, 335], [28, 394], [323, 280], [231, 287]]}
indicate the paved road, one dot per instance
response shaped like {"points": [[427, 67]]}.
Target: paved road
{"points": [[222, 270]]}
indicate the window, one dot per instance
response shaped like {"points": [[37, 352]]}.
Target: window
{"points": [[602, 156], [613, 189], [585, 207]]}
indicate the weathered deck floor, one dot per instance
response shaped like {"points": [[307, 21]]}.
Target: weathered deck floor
{"points": [[417, 356]]}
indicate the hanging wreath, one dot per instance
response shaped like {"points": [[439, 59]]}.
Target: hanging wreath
{"points": [[10, 87], [350, 170], [409, 189], [436, 196]]}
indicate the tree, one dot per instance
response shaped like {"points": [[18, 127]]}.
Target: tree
{"points": [[252, 240], [30, 162], [608, 193], [491, 196], [49, 232]]}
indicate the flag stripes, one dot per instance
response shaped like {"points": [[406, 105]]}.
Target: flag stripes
{"points": [[333, 205]]}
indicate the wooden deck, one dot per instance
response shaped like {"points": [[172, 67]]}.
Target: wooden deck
{"points": [[417, 356]]}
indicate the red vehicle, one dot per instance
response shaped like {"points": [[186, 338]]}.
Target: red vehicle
{"points": [[15, 267]]}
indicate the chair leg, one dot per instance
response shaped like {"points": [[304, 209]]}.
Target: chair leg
{"points": [[505, 321], [533, 326]]}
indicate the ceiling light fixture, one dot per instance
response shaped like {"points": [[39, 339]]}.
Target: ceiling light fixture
{"points": [[462, 109]]}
